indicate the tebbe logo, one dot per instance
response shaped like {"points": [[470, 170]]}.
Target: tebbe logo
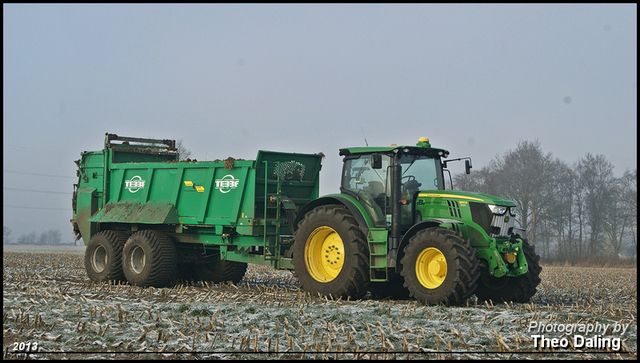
{"points": [[227, 183], [134, 184]]}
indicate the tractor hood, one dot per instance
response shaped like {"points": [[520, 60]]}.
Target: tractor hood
{"points": [[466, 196]]}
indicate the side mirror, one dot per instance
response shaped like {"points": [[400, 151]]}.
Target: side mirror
{"points": [[467, 166], [376, 161]]}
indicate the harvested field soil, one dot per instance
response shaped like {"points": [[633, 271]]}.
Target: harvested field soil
{"points": [[51, 310]]}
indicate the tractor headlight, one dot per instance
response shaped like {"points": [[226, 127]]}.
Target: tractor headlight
{"points": [[512, 211], [498, 209]]}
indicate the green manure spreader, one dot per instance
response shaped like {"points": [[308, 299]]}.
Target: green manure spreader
{"points": [[393, 230]]}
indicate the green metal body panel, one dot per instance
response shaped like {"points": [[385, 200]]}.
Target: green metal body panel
{"points": [[87, 199], [151, 212], [359, 209], [456, 210], [235, 207]]}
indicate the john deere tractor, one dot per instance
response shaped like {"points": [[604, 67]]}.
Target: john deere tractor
{"points": [[395, 231]]}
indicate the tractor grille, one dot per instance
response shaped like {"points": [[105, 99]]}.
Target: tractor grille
{"points": [[496, 226], [502, 226]]}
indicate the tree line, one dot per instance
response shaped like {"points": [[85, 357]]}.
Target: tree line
{"points": [[52, 237], [570, 212]]}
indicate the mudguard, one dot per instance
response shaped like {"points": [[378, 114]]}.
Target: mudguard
{"points": [[152, 212]]}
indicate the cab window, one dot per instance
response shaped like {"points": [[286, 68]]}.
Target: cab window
{"points": [[370, 185]]}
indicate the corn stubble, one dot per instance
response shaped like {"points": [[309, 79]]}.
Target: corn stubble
{"points": [[48, 299]]}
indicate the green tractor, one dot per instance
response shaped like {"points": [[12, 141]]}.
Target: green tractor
{"points": [[395, 231]]}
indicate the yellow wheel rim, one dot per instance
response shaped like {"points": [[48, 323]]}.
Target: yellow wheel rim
{"points": [[324, 254], [431, 268]]}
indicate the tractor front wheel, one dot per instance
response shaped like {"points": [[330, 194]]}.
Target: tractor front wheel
{"points": [[330, 253], [439, 267], [518, 289]]}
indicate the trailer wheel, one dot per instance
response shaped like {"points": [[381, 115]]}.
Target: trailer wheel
{"points": [[103, 256], [518, 289], [439, 267], [330, 253], [149, 259], [218, 271]]}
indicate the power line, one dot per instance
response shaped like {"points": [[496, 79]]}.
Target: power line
{"points": [[34, 191], [30, 149], [54, 176], [22, 207]]}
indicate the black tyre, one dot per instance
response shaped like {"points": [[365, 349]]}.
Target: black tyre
{"points": [[518, 289], [149, 259], [103, 256], [218, 271], [439, 267], [330, 253], [186, 272], [393, 289]]}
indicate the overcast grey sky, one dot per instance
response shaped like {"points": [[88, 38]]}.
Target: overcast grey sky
{"points": [[230, 80]]}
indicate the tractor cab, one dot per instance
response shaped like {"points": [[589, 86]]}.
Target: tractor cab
{"points": [[378, 176]]}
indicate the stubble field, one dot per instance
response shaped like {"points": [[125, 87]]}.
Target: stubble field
{"points": [[51, 310]]}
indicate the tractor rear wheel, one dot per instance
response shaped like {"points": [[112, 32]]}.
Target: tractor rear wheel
{"points": [[439, 267], [103, 256], [518, 289], [149, 259], [330, 253]]}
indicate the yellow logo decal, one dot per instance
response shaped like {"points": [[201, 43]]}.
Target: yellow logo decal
{"points": [[434, 195], [199, 188]]}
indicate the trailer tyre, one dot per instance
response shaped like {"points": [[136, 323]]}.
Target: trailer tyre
{"points": [[103, 256], [149, 259], [439, 267], [218, 271], [330, 253], [518, 289]]}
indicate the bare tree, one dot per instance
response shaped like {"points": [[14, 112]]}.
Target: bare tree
{"points": [[28, 239], [628, 205], [183, 153], [598, 187], [52, 237], [6, 235], [567, 217], [572, 212], [530, 178], [557, 213], [481, 181]]}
